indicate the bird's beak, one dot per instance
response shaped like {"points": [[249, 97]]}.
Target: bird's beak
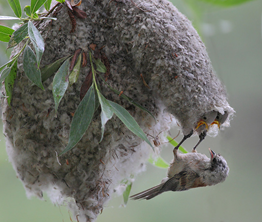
{"points": [[200, 123], [212, 153], [216, 122]]}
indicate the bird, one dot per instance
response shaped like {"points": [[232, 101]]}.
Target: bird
{"points": [[190, 170], [201, 127], [220, 119], [202, 131]]}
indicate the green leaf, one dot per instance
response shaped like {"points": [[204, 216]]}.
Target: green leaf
{"points": [[7, 64], [225, 3], [73, 77], [35, 5], [106, 112], [18, 36], [48, 4], [129, 121], [6, 68], [4, 17], [50, 69], [159, 162], [9, 83], [37, 41], [128, 98], [30, 66], [4, 73], [5, 33], [174, 143], [100, 67], [136, 104], [27, 10], [127, 192], [60, 83], [61, 1], [3, 66], [82, 118], [97, 103], [15, 5]]}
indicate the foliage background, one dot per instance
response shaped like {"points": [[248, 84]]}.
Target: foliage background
{"points": [[233, 39]]}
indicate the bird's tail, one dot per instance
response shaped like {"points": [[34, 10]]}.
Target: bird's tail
{"points": [[148, 194]]}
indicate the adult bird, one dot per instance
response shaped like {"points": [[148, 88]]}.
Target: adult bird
{"points": [[190, 170]]}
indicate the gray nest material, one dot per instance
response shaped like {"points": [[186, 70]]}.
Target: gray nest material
{"points": [[151, 38]]}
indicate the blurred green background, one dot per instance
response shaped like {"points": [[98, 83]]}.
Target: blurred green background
{"points": [[233, 39]]}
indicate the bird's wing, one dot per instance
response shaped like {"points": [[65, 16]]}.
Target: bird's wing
{"points": [[175, 183], [179, 182], [182, 181], [170, 184]]}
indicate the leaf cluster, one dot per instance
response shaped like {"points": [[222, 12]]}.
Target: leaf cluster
{"points": [[65, 74], [27, 31], [85, 111]]}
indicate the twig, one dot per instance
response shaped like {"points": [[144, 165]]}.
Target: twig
{"points": [[48, 13]]}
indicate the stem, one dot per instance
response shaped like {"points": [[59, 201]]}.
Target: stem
{"points": [[93, 72], [49, 12], [18, 54]]}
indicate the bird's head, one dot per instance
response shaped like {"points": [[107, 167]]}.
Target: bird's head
{"points": [[220, 119], [218, 168], [205, 120]]}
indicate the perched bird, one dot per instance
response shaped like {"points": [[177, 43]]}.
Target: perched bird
{"points": [[188, 171], [201, 127]]}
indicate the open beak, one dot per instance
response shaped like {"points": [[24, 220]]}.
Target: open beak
{"points": [[200, 123], [212, 153], [216, 122]]}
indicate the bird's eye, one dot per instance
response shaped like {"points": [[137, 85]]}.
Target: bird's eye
{"points": [[217, 117], [204, 118], [215, 160]]}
